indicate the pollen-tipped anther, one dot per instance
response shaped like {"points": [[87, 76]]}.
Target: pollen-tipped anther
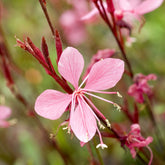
{"points": [[100, 125], [108, 123], [117, 106], [119, 95], [102, 146]]}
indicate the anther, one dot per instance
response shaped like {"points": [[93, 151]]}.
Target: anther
{"points": [[100, 125], [102, 146], [119, 95], [51, 136], [108, 123], [117, 106]]}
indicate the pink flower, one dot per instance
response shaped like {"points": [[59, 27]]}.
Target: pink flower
{"points": [[73, 28], [123, 9], [141, 87], [125, 12], [5, 113], [103, 75], [135, 7], [135, 140]]}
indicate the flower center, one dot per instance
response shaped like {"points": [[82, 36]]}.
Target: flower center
{"points": [[79, 92]]}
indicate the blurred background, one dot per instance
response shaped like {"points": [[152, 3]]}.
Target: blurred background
{"points": [[25, 143]]}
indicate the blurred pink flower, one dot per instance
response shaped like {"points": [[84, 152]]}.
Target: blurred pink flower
{"points": [[136, 7], [103, 75], [125, 12], [126, 9], [5, 113], [135, 140], [101, 54], [141, 87], [74, 29]]}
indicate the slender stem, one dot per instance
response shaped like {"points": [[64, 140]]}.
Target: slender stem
{"points": [[125, 57], [114, 32], [47, 16], [98, 153], [90, 152], [150, 110], [153, 119], [4, 44]]}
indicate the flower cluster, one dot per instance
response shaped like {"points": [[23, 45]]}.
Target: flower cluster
{"points": [[135, 140], [124, 13], [141, 87]]}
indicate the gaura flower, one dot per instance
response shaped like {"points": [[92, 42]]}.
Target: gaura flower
{"points": [[126, 9], [135, 140], [141, 87], [103, 75], [136, 7], [125, 13], [73, 27], [5, 113]]}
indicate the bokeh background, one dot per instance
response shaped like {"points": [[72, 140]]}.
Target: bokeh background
{"points": [[24, 143]]}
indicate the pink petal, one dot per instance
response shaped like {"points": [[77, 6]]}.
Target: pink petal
{"points": [[136, 93], [5, 112], [83, 122], [91, 16], [135, 128], [124, 4], [73, 27], [105, 74], [4, 124], [133, 152], [70, 65], [134, 3], [151, 77], [148, 6], [51, 104]]}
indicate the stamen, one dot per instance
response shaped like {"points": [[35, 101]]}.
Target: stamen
{"points": [[51, 136], [99, 98], [68, 130], [96, 91], [100, 125], [108, 123], [119, 95], [117, 107], [63, 123], [102, 145], [96, 110], [83, 81], [65, 128]]}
